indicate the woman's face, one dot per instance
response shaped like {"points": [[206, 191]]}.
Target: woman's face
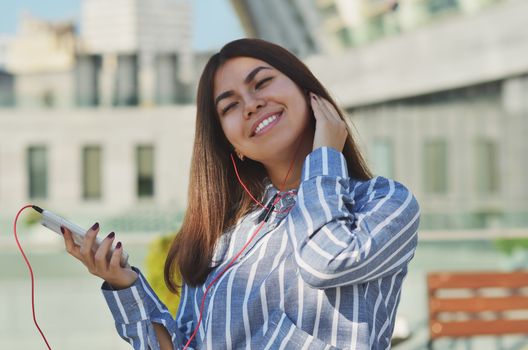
{"points": [[262, 112]]}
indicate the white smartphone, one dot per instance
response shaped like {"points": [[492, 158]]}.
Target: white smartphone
{"points": [[54, 222]]}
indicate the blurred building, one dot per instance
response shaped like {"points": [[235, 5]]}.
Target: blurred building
{"points": [[7, 89], [443, 108], [41, 57], [126, 167], [437, 89], [294, 24], [306, 27], [124, 156], [440, 106], [4, 44], [130, 53], [7, 81], [135, 52]]}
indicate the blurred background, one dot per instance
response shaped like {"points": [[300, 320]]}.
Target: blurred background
{"points": [[97, 124]]}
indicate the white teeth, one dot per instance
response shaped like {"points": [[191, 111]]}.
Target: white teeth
{"points": [[264, 123]]}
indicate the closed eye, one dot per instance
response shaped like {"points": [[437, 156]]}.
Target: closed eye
{"points": [[262, 82], [228, 107]]}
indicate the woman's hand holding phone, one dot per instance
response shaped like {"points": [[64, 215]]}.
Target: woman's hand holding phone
{"points": [[102, 263], [330, 129]]}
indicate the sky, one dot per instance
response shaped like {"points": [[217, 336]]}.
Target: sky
{"points": [[209, 16]]}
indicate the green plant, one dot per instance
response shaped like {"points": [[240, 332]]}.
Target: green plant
{"points": [[155, 262], [31, 218], [508, 245]]}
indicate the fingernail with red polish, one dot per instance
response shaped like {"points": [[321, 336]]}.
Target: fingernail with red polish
{"points": [[62, 229], [118, 245], [95, 226], [111, 235]]}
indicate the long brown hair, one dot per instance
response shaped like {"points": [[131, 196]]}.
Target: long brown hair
{"points": [[215, 199]]}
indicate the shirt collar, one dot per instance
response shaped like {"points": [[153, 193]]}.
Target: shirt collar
{"points": [[270, 191]]}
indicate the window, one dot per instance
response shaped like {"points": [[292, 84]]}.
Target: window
{"points": [[145, 171], [48, 98], [126, 83], [383, 157], [345, 37], [37, 165], [91, 172], [329, 10], [88, 70], [486, 167], [438, 6], [435, 167]]}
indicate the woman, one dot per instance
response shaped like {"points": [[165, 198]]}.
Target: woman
{"points": [[288, 242]]}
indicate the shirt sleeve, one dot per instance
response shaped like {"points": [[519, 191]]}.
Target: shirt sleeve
{"points": [[338, 242], [135, 309]]}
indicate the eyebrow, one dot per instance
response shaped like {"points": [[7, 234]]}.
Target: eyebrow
{"points": [[248, 79]]}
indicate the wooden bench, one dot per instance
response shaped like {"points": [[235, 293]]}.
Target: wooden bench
{"points": [[467, 304]]}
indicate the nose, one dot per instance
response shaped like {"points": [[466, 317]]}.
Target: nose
{"points": [[252, 105]]}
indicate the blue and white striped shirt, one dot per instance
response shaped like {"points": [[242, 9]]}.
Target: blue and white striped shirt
{"points": [[326, 274]]}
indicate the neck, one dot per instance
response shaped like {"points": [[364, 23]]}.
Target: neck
{"points": [[277, 174], [278, 168]]}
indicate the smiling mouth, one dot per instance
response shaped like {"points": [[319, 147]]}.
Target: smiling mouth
{"points": [[266, 124]]}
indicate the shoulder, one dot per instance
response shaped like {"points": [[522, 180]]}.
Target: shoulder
{"points": [[379, 188]]}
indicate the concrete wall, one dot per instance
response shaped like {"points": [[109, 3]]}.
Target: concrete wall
{"points": [[118, 131]]}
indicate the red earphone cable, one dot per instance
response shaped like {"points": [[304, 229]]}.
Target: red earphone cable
{"points": [[243, 185], [283, 184], [277, 199], [31, 274], [216, 278]]}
